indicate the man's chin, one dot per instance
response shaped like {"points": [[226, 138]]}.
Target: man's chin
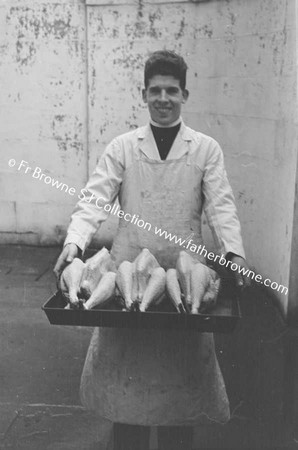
{"points": [[163, 120]]}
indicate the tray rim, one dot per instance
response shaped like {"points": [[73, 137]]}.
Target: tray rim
{"points": [[44, 307], [141, 320]]}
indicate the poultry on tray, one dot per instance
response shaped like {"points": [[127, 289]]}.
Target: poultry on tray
{"points": [[141, 284]]}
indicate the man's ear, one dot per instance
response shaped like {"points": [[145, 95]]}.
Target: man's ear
{"points": [[144, 95], [185, 95]]}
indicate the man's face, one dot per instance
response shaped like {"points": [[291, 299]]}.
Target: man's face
{"points": [[164, 98]]}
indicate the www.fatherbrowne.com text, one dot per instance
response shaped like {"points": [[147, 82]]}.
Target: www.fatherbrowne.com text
{"points": [[186, 243]]}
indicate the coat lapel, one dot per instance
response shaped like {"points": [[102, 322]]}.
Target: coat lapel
{"points": [[181, 144], [148, 146], [147, 143]]}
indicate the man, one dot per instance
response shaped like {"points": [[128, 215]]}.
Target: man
{"points": [[166, 174]]}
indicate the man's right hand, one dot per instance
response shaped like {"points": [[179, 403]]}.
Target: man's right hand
{"points": [[69, 252]]}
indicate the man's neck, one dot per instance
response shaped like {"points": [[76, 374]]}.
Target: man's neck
{"points": [[173, 124]]}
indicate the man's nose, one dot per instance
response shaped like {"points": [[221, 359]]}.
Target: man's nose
{"points": [[163, 95]]}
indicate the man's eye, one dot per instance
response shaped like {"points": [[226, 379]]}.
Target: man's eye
{"points": [[172, 91], [154, 90]]}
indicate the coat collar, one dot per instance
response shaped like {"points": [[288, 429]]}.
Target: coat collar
{"points": [[148, 146]]}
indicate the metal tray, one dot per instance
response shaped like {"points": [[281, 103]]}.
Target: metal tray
{"points": [[222, 319]]}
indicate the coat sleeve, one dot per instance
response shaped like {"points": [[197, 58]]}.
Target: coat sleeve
{"points": [[219, 204], [101, 189]]}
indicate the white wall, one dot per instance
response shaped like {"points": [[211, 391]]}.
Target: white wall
{"points": [[43, 115]]}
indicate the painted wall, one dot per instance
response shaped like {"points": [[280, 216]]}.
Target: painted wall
{"points": [[72, 74], [43, 116]]}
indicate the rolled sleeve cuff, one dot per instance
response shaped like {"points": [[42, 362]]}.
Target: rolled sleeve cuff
{"points": [[235, 250], [80, 241], [232, 253]]}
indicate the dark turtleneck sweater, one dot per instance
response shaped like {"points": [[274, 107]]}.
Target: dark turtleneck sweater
{"points": [[164, 138]]}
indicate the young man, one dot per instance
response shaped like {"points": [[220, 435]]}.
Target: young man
{"points": [[165, 174]]}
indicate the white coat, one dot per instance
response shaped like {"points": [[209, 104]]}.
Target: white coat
{"points": [[216, 194], [147, 377]]}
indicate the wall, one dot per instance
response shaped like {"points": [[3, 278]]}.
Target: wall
{"points": [[43, 115], [249, 104]]}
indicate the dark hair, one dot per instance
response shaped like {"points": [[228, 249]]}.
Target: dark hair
{"points": [[165, 62]]}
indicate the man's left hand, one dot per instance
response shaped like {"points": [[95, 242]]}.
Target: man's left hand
{"points": [[241, 279]]}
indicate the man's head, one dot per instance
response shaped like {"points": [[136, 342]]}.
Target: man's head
{"points": [[165, 62], [165, 81]]}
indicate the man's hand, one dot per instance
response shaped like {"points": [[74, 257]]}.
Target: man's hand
{"points": [[241, 279], [69, 252]]}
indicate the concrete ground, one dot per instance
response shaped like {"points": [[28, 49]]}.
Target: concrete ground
{"points": [[41, 366]]}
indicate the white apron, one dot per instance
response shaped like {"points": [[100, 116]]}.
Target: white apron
{"points": [[156, 377]]}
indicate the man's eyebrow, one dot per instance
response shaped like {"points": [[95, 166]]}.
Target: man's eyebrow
{"points": [[163, 87]]}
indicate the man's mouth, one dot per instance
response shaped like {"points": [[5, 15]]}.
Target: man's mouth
{"points": [[163, 109]]}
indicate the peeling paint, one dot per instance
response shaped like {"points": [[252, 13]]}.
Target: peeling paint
{"points": [[40, 23], [205, 30], [154, 18], [33, 25], [181, 31], [66, 132], [233, 17], [25, 51]]}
